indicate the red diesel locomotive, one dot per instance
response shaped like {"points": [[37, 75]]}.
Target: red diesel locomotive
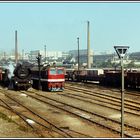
{"points": [[49, 78]]}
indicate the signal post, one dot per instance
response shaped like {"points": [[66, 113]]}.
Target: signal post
{"points": [[121, 51]]}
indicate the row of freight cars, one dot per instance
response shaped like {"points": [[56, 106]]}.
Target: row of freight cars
{"points": [[106, 77], [24, 76]]}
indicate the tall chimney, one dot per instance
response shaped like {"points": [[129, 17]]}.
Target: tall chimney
{"points": [[16, 49], [88, 47]]}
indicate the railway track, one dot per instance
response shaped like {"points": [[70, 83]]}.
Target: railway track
{"points": [[34, 117], [65, 131], [57, 105], [23, 118], [88, 85], [109, 97], [131, 107], [83, 113], [79, 111], [67, 111], [114, 106]]}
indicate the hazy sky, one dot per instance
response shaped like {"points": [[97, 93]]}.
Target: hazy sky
{"points": [[57, 25]]}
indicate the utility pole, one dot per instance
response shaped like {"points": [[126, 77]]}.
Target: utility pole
{"points": [[16, 48], [88, 46], [45, 52], [78, 52]]}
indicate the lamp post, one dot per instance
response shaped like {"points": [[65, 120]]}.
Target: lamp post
{"points": [[121, 51], [78, 53], [45, 52], [16, 47]]}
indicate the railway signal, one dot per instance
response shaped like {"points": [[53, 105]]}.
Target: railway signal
{"points": [[121, 51], [38, 59]]}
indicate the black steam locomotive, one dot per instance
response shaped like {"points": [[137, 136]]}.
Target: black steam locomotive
{"points": [[21, 79]]}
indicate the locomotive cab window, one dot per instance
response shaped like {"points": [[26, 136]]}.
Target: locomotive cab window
{"points": [[60, 71], [52, 71]]}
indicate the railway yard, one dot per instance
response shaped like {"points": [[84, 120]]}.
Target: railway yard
{"points": [[80, 111], [61, 89]]}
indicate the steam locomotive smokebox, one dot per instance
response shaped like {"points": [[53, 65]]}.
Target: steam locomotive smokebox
{"points": [[22, 77]]}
